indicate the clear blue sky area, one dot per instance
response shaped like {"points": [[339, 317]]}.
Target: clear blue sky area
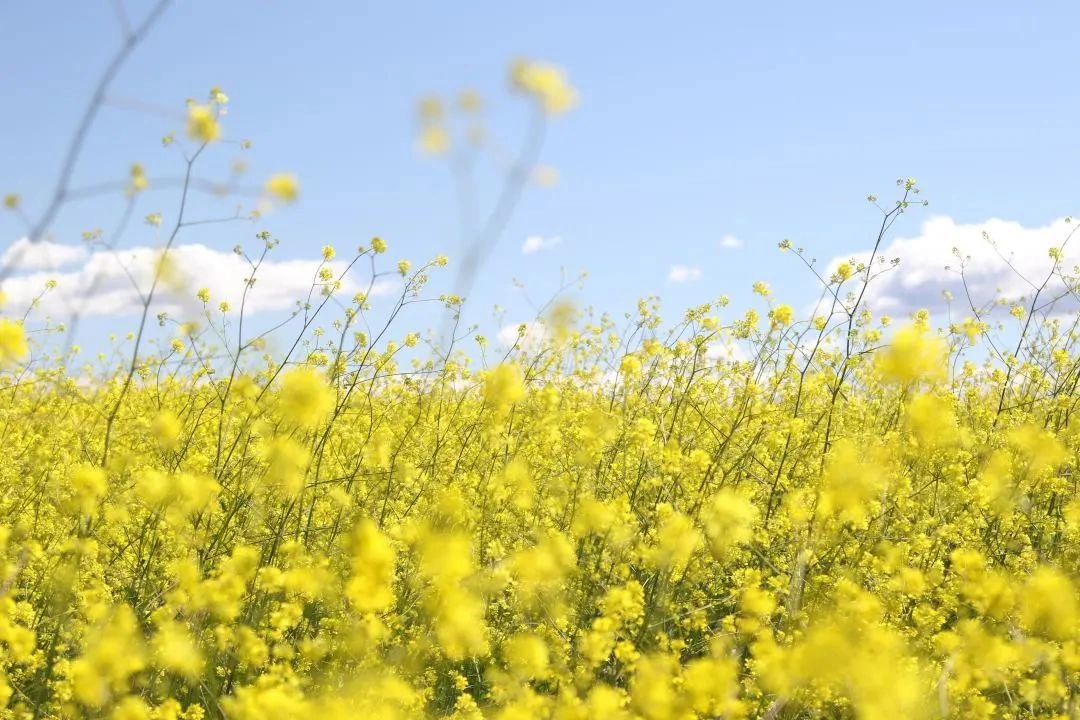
{"points": [[697, 120]]}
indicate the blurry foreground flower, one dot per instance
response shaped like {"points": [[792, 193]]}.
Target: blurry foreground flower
{"points": [[434, 140], [13, 344], [202, 124], [913, 355], [305, 397], [283, 186], [139, 181], [547, 83], [430, 110], [469, 101], [546, 176]]}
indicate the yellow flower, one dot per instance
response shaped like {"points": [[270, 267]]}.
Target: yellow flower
{"points": [[434, 140], [545, 176], [169, 271], [13, 345], [202, 124], [653, 691], [176, 650], [546, 83], [305, 397], [459, 623], [88, 485], [1071, 513], [503, 385], [283, 186], [131, 708], [166, 427], [541, 570], [729, 519], [560, 320], [286, 461], [1050, 605], [378, 245], [139, 181], [113, 654], [676, 541], [430, 110], [527, 656], [469, 101], [370, 588], [972, 329], [11, 201], [913, 355], [782, 315], [592, 516], [850, 484], [932, 419], [711, 686]]}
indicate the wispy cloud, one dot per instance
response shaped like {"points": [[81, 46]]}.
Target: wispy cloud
{"points": [[683, 273], [113, 283], [43, 255], [536, 243], [730, 241]]}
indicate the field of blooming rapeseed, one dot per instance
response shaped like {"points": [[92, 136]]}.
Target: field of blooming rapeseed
{"points": [[611, 524], [849, 518]]}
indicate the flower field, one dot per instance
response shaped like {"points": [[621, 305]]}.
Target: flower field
{"points": [[610, 524], [735, 513]]}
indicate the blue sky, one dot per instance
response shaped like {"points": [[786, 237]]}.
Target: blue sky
{"points": [[696, 121]]}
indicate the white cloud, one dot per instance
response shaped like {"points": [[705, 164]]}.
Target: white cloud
{"points": [[535, 243], [104, 283], [730, 241], [43, 255], [535, 332], [921, 277], [725, 352], [683, 273]]}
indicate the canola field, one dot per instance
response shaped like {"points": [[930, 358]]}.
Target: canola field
{"points": [[739, 513], [609, 524]]}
